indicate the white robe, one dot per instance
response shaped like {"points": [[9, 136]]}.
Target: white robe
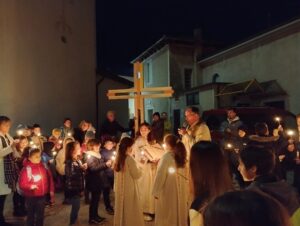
{"points": [[4, 189], [172, 192], [128, 210], [151, 153]]}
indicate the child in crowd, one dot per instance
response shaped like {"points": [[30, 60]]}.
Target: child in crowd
{"points": [[108, 153], [171, 185], [257, 164], [245, 208], [95, 178], [18, 200], [35, 182], [74, 183], [128, 210]]}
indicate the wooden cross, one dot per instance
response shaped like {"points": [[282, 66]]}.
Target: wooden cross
{"points": [[139, 93]]}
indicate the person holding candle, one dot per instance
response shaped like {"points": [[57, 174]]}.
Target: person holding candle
{"points": [[35, 182], [128, 210], [74, 179], [108, 153], [257, 165], [37, 137], [210, 177], [170, 186], [67, 129], [18, 155], [96, 179], [147, 153]]}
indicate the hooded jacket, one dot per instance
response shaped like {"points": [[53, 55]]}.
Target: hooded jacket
{"points": [[35, 174], [278, 189]]}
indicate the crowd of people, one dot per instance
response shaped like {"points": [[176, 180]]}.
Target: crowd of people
{"points": [[187, 178]]}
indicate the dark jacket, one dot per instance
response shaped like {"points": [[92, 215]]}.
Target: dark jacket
{"points": [[158, 130], [111, 128], [231, 126], [107, 155], [96, 179], [74, 174], [79, 135], [278, 189]]}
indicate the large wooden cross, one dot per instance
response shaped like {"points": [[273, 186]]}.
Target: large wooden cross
{"points": [[139, 93]]}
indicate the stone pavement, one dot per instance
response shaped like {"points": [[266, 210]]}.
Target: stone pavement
{"points": [[58, 215]]}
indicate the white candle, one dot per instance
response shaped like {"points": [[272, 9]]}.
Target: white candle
{"points": [[20, 132], [60, 141], [113, 158], [297, 154], [142, 153], [164, 146]]}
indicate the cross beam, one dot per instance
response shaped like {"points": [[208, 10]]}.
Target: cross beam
{"points": [[139, 93]]}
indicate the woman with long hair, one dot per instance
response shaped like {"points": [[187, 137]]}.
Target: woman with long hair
{"points": [[210, 177], [170, 185], [128, 211]]}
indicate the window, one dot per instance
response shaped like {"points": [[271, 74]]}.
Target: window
{"points": [[192, 98], [148, 74], [188, 78]]}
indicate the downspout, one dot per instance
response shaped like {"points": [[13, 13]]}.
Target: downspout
{"points": [[97, 104]]}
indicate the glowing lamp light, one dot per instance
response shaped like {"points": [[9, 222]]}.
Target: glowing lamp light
{"points": [[229, 145], [36, 178], [171, 170], [290, 133], [277, 119], [20, 132]]}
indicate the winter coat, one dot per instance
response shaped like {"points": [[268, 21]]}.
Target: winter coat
{"points": [[107, 155], [96, 178], [112, 128], [278, 189], [231, 126], [35, 174], [74, 173]]}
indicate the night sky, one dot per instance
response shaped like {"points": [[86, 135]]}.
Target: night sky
{"points": [[127, 28]]}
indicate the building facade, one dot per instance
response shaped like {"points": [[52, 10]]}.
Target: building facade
{"points": [[47, 61], [261, 71]]}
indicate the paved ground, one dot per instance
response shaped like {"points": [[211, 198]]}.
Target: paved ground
{"points": [[58, 215]]}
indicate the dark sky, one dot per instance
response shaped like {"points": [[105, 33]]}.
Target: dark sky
{"points": [[127, 28]]}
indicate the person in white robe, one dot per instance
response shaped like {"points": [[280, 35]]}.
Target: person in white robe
{"points": [[170, 186], [128, 210], [148, 154]]}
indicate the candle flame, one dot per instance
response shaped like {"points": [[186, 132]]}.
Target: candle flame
{"points": [[171, 170]]}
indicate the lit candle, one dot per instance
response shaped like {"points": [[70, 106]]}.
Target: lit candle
{"points": [[113, 158], [164, 146], [88, 156], [114, 153], [54, 153], [31, 143], [297, 153], [60, 141], [171, 170], [20, 132], [277, 119], [290, 133], [34, 146], [69, 134], [229, 145], [39, 134], [142, 153]]}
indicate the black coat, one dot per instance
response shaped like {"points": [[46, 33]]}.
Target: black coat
{"points": [[96, 179], [111, 128], [74, 183]]}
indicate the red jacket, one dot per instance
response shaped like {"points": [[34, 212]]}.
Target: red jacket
{"points": [[38, 175]]}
